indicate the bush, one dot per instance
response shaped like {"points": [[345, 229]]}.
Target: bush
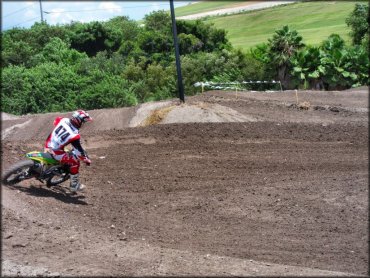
{"points": [[57, 51], [358, 22], [110, 92], [15, 52], [112, 65], [48, 87], [343, 66], [15, 91]]}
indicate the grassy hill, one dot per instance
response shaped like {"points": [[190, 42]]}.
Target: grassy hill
{"points": [[315, 21]]}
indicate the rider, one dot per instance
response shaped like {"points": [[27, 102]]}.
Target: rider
{"points": [[66, 131]]}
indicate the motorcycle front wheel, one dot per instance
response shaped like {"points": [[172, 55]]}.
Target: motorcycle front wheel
{"points": [[18, 172]]}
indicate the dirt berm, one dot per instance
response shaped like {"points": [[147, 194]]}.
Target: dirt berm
{"points": [[245, 184]]}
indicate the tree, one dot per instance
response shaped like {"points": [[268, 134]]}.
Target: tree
{"points": [[110, 65], [128, 29], [94, 37], [212, 39], [108, 91], [283, 45], [343, 66], [307, 68], [15, 52], [48, 87], [358, 22], [41, 33], [155, 42], [158, 21], [58, 51], [20, 44], [188, 43]]}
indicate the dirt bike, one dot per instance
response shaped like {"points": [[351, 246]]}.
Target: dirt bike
{"points": [[41, 166]]}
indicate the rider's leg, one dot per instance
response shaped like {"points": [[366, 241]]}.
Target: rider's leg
{"points": [[74, 165]]}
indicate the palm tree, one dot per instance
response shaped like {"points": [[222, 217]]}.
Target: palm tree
{"points": [[307, 68], [283, 45]]}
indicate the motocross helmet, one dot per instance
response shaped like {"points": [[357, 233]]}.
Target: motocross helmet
{"points": [[79, 117]]}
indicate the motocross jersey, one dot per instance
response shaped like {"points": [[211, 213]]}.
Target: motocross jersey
{"points": [[63, 134]]}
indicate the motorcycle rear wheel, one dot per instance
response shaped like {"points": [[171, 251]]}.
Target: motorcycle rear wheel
{"points": [[57, 179], [18, 172]]}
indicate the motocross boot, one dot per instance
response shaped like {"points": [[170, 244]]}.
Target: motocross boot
{"points": [[75, 183]]}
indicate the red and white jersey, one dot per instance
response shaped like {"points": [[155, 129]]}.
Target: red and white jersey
{"points": [[63, 134]]}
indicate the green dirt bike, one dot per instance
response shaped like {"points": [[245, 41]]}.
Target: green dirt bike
{"points": [[41, 166]]}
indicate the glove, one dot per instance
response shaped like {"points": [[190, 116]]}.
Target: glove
{"points": [[87, 161]]}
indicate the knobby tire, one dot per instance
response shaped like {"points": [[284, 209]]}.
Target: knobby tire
{"points": [[16, 169]]}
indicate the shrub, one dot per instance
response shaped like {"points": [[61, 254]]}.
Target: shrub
{"points": [[109, 92], [358, 22]]}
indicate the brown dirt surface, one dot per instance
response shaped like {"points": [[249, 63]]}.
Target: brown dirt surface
{"points": [[245, 184]]}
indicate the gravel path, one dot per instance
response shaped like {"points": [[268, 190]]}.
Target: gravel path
{"points": [[243, 7]]}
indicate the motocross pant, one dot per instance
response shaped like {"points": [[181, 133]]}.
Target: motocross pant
{"points": [[68, 158]]}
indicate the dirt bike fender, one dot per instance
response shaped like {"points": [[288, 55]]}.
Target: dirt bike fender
{"points": [[44, 158]]}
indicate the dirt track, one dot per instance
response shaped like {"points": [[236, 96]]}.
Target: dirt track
{"points": [[283, 191]]}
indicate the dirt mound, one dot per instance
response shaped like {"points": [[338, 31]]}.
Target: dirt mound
{"points": [[256, 187], [6, 116], [363, 89], [32, 126], [214, 106], [205, 113]]}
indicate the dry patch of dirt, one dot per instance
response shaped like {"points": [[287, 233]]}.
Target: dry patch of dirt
{"points": [[157, 116]]}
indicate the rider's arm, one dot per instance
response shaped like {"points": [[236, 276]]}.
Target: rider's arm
{"points": [[57, 121], [77, 145]]}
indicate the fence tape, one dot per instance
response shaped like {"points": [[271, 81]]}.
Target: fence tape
{"points": [[226, 85]]}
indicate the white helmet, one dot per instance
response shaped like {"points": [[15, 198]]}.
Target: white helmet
{"points": [[79, 117]]}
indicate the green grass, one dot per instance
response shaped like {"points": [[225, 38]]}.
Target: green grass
{"points": [[314, 21]]}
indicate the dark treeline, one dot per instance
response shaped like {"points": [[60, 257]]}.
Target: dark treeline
{"points": [[121, 63]]}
